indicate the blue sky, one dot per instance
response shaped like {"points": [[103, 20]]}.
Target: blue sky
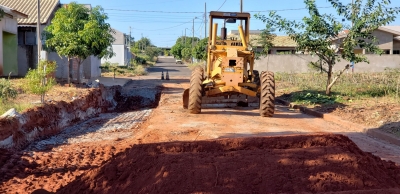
{"points": [[149, 18]]}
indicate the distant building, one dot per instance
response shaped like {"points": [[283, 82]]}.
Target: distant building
{"points": [[27, 44], [8, 41], [121, 50], [281, 44], [388, 39]]}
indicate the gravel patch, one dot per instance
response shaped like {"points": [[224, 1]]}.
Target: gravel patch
{"points": [[107, 126]]}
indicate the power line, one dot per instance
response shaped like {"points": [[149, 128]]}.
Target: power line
{"points": [[221, 5], [179, 12], [164, 28]]}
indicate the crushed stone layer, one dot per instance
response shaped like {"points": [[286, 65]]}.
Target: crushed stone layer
{"points": [[107, 126], [287, 164]]}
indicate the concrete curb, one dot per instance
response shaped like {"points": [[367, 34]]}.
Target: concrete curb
{"points": [[376, 133]]}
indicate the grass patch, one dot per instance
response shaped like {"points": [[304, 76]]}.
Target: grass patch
{"points": [[19, 107], [315, 98], [109, 69], [350, 86]]}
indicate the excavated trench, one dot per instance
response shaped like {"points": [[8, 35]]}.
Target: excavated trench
{"points": [[86, 119]]}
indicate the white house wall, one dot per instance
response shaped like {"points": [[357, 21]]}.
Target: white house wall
{"points": [[9, 25], [119, 56]]}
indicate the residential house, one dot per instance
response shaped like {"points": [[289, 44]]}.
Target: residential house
{"points": [[27, 44], [8, 41], [388, 39], [281, 44], [121, 50]]}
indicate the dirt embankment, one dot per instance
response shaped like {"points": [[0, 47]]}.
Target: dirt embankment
{"points": [[50, 119], [288, 164]]}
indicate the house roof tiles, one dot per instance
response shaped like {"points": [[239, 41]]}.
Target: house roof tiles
{"points": [[29, 7]]}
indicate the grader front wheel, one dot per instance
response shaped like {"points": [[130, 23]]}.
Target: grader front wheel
{"points": [[267, 96], [195, 91]]}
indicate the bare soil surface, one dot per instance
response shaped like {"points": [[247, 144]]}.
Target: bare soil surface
{"points": [[167, 150], [287, 164]]}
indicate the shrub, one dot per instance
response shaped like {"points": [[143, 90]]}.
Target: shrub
{"points": [[40, 80], [7, 91], [140, 70]]}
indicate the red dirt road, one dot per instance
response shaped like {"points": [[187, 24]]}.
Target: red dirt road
{"points": [[218, 151], [289, 164]]}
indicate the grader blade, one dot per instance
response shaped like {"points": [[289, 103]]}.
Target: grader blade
{"points": [[222, 102]]}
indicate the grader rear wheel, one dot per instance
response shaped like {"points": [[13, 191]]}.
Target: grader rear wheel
{"points": [[195, 91], [267, 96]]}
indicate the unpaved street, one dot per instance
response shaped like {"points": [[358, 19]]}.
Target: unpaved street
{"points": [[103, 154]]}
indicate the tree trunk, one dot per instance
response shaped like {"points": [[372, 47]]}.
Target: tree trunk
{"points": [[79, 71], [329, 86], [68, 71], [328, 82]]}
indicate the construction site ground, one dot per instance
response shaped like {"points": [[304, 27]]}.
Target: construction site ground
{"points": [[225, 150]]}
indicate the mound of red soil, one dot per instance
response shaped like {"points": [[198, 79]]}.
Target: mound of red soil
{"points": [[289, 164]]}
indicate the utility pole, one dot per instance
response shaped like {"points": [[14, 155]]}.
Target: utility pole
{"points": [[205, 19], [241, 10], [129, 49], [185, 36], [39, 43], [193, 35]]}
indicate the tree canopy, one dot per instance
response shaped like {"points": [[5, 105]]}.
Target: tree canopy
{"points": [[77, 32], [316, 32], [199, 51], [182, 45]]}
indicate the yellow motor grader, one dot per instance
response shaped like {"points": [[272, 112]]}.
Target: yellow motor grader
{"points": [[229, 73]]}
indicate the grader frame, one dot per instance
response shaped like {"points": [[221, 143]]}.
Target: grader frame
{"points": [[230, 68]]}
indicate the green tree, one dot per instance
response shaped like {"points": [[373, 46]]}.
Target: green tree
{"points": [[77, 32], [199, 51], [186, 53], [143, 43], [181, 43], [40, 80], [265, 40], [166, 52], [176, 50], [152, 52], [316, 32]]}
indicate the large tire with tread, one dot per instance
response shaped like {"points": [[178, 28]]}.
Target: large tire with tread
{"points": [[195, 91], [267, 94]]}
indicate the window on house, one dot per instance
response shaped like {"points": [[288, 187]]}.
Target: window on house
{"points": [[386, 52], [396, 52]]}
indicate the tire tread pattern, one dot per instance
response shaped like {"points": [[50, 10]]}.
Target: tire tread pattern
{"points": [[267, 94], [195, 91]]}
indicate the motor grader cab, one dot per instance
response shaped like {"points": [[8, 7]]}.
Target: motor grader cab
{"points": [[229, 70]]}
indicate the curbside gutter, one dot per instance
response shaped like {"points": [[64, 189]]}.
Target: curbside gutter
{"points": [[373, 132]]}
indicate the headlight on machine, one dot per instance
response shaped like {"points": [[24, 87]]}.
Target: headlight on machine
{"points": [[249, 48]]}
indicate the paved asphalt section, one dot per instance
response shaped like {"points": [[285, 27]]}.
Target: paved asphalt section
{"points": [[165, 64]]}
